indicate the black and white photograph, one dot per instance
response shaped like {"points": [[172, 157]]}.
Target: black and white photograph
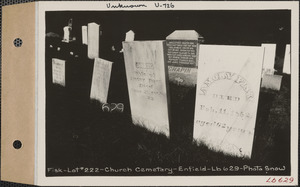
{"points": [[172, 92]]}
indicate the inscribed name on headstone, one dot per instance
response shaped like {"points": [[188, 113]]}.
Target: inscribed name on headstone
{"points": [[84, 30], [100, 80], [147, 84], [287, 60], [129, 36], [272, 82], [269, 59], [93, 40], [182, 56], [227, 97], [58, 71]]}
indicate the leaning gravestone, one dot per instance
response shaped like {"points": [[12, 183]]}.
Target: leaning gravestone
{"points": [[93, 40], [147, 84], [287, 60], [227, 97], [100, 80], [59, 71], [182, 56]]}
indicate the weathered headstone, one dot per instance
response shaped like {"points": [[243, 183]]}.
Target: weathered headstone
{"points": [[84, 30], [100, 80], [269, 59], [147, 84], [93, 40], [129, 36], [59, 71], [272, 82], [287, 60], [182, 56], [227, 97], [66, 34]]}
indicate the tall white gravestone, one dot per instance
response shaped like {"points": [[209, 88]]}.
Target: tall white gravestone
{"points": [[227, 97], [147, 84], [287, 60], [84, 32], [100, 80], [93, 40], [269, 58], [59, 71]]}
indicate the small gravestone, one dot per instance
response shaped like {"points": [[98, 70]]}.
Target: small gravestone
{"points": [[227, 97], [147, 84], [84, 30], [182, 56], [66, 34], [269, 59], [93, 40], [129, 36], [272, 82], [59, 71], [100, 80], [287, 60]]}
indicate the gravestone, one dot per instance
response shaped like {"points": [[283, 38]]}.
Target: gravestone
{"points": [[84, 30], [59, 71], [269, 59], [93, 40], [227, 97], [287, 60], [66, 34], [147, 84], [182, 56], [129, 36], [100, 80]]}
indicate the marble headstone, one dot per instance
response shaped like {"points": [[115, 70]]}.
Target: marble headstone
{"points": [[269, 59], [227, 97], [100, 80], [287, 60], [129, 36], [93, 40], [147, 84], [59, 71], [84, 31]]}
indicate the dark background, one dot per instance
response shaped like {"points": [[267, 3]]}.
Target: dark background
{"points": [[80, 134]]}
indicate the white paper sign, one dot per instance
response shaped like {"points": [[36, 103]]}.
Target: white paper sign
{"points": [[84, 30], [287, 60], [58, 71], [227, 97], [269, 58], [147, 84], [100, 80], [93, 40]]}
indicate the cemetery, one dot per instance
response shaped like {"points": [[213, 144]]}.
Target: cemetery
{"points": [[162, 93]]}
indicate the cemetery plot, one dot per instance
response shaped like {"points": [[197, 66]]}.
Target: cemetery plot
{"points": [[227, 97], [147, 84], [100, 80]]}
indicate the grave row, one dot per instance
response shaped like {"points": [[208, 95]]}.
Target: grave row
{"points": [[227, 80]]}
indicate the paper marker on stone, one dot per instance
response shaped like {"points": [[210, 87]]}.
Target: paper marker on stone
{"points": [[93, 40]]}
